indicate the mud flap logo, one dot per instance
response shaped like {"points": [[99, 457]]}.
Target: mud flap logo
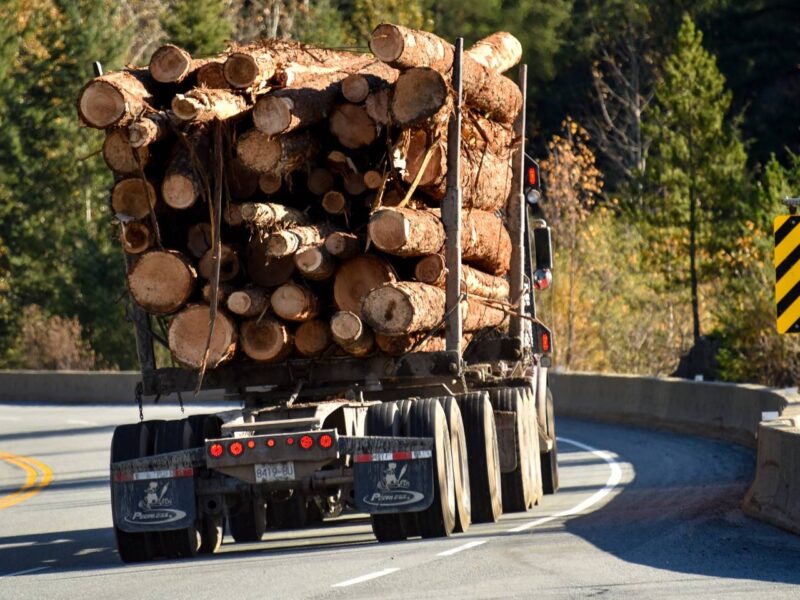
{"points": [[392, 489], [154, 506]]}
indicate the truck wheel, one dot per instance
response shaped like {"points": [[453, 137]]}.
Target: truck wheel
{"points": [[291, 513], [534, 462], [200, 428], [171, 436], [483, 456], [385, 419], [515, 484], [458, 445], [427, 419], [129, 442], [249, 521], [550, 459]]}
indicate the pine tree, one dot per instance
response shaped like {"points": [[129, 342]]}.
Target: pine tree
{"points": [[202, 27], [697, 169]]}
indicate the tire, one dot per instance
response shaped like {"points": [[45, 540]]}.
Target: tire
{"points": [[249, 522], [427, 419], [458, 446], [386, 419], [198, 429], [129, 442], [549, 460], [483, 456], [533, 445], [291, 513], [515, 484]]}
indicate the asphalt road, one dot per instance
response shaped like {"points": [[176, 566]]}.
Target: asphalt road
{"points": [[641, 514]]}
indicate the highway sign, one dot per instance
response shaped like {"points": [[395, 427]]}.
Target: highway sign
{"points": [[787, 273]]}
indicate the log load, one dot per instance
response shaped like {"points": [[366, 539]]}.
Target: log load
{"points": [[133, 198], [397, 345], [114, 99], [498, 52], [224, 290], [229, 265], [264, 154], [161, 281], [248, 68], [211, 76], [148, 129], [433, 271], [343, 245], [294, 302], [203, 104], [315, 263], [265, 340], [171, 64], [181, 186], [313, 338], [350, 333], [267, 217], [248, 302], [120, 156], [356, 277], [419, 94], [291, 241], [285, 110], [264, 271], [136, 237], [352, 126], [188, 336]]}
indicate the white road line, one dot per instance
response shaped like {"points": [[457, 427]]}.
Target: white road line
{"points": [[458, 549], [79, 422], [364, 578], [612, 482], [25, 572]]}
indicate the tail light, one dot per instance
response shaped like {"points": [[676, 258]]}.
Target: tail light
{"points": [[216, 450], [290, 441], [325, 441], [236, 448], [270, 443], [306, 442], [545, 342], [251, 444]]}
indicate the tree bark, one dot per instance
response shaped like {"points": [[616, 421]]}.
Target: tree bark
{"points": [[352, 126], [397, 345], [343, 245], [265, 340], [294, 302], [264, 271], [132, 198], [485, 243], [406, 232], [291, 241], [267, 217], [280, 154], [248, 302], [114, 99], [351, 334], [161, 281], [419, 94], [334, 203], [312, 338], [223, 291], [148, 129], [198, 239], [203, 105], [181, 186], [497, 52], [315, 263], [120, 156], [135, 237], [356, 277], [188, 336], [293, 108], [229, 266], [432, 270]]}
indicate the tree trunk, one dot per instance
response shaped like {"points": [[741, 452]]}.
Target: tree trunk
{"points": [[223, 292], [265, 340], [203, 105], [114, 99], [432, 270], [161, 281], [181, 186], [397, 345], [343, 245], [485, 243], [294, 302], [312, 338], [376, 76], [270, 183], [135, 237], [291, 241], [120, 156], [132, 198], [373, 180], [280, 154], [497, 52], [354, 183], [264, 271], [351, 334], [229, 266], [352, 126], [232, 214], [248, 302], [288, 109], [334, 203], [249, 67], [171, 64], [198, 239], [480, 315], [148, 129], [268, 217], [419, 94], [315, 263], [358, 276], [377, 105], [320, 181], [188, 336], [406, 232]]}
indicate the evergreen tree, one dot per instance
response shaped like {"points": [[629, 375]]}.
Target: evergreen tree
{"points": [[697, 169], [201, 27]]}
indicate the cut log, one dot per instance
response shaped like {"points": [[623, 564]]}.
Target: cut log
{"points": [[202, 105], [114, 99], [171, 64], [265, 271], [229, 265], [265, 340], [373, 180], [485, 243], [397, 345], [136, 237], [377, 105], [480, 315], [294, 302], [282, 154], [270, 183], [334, 203], [354, 183], [249, 67], [148, 129], [315, 263], [223, 291], [248, 302], [419, 94], [339, 162], [288, 109], [355, 88], [320, 181], [373, 77], [188, 336], [132, 198], [198, 239], [181, 186], [356, 277], [343, 245], [120, 156], [432, 270], [211, 76], [242, 182], [161, 281], [267, 217], [352, 126], [312, 338], [404, 307], [232, 214], [291, 241], [497, 52], [351, 334], [406, 232]]}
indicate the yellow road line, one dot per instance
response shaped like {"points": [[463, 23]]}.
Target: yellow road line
{"points": [[31, 487]]}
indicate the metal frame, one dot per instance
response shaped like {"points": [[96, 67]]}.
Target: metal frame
{"points": [[515, 213]]}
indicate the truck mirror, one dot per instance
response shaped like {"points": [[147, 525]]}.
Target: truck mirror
{"points": [[543, 248]]}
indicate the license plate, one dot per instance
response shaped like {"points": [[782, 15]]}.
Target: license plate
{"points": [[282, 471]]}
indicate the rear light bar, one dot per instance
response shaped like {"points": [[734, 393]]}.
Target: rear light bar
{"points": [[239, 446]]}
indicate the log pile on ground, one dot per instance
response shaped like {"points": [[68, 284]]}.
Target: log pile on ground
{"points": [[292, 195]]}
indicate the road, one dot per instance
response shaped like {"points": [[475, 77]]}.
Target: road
{"points": [[641, 514]]}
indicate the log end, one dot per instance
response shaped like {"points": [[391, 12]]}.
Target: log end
{"points": [[419, 93], [188, 334], [161, 281], [133, 198], [229, 266], [358, 276], [431, 270], [264, 272], [186, 108], [135, 237], [241, 70], [387, 43], [294, 302], [312, 338], [120, 155], [269, 183], [179, 191], [259, 152], [265, 340], [388, 310], [101, 105], [355, 88], [273, 114], [352, 126], [389, 230], [346, 326], [170, 64], [334, 203]]}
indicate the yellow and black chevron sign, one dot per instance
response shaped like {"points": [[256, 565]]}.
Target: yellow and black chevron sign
{"points": [[787, 272]]}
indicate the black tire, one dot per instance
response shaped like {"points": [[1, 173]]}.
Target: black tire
{"points": [[458, 445], [483, 456], [291, 513], [386, 419], [515, 484], [550, 459], [249, 521], [129, 442], [427, 419], [200, 428]]}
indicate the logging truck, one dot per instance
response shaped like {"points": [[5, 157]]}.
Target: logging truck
{"points": [[422, 398]]}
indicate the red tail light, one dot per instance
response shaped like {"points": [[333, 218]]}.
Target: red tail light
{"points": [[236, 448], [306, 442], [216, 450], [325, 441], [545, 342], [290, 441], [251, 444], [270, 442]]}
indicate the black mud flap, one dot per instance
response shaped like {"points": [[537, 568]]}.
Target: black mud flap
{"points": [[393, 475], [154, 493]]}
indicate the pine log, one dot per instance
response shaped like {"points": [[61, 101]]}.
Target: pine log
{"points": [[288, 109], [373, 179], [334, 203], [377, 105], [355, 88], [294, 302], [148, 129], [223, 291], [198, 239], [397, 345], [120, 156], [181, 186], [356, 277], [229, 265], [406, 232], [267, 217], [242, 182], [161, 281], [263, 270], [232, 214], [432, 270], [285, 153], [485, 243], [339, 162], [265, 340], [270, 183], [114, 99], [188, 336], [248, 302], [343, 245], [133, 198], [315, 263], [497, 52], [136, 237], [351, 334], [291, 241], [354, 183], [352, 126], [211, 76], [419, 94], [312, 338], [320, 181], [249, 67], [480, 315], [203, 104], [171, 64], [375, 76]]}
